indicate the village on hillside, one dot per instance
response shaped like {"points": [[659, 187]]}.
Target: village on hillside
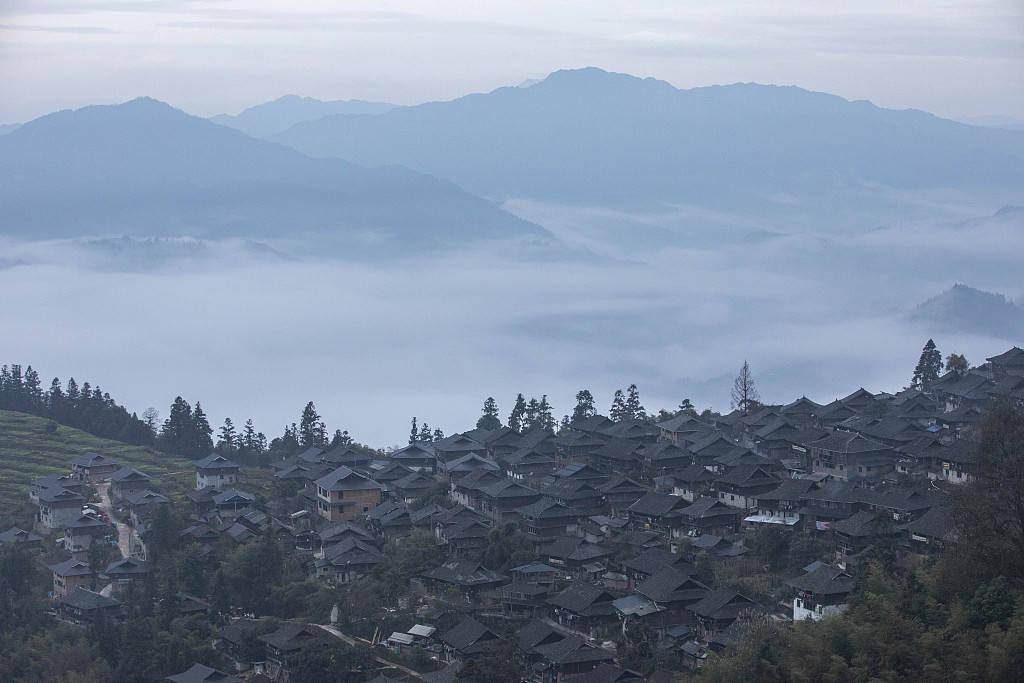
{"points": [[597, 550]]}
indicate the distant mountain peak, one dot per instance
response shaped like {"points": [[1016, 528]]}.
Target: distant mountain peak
{"points": [[598, 77], [966, 309], [145, 168], [268, 118], [590, 136]]}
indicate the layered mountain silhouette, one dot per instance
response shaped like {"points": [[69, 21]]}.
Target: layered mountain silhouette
{"points": [[966, 309], [278, 115], [145, 168], [597, 137]]}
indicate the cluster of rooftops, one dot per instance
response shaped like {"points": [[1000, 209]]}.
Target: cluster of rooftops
{"points": [[617, 514]]}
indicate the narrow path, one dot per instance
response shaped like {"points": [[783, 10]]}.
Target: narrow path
{"points": [[334, 631], [123, 530]]}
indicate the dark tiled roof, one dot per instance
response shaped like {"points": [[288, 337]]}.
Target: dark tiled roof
{"points": [[507, 488], [93, 460], [788, 489], [200, 673], [707, 507], [861, 524], [546, 509], [71, 568], [848, 442], [654, 559], [1013, 356], [725, 603], [128, 474], [291, 637], [824, 580], [658, 504], [573, 650], [347, 479], [693, 473], [624, 450], [937, 523], [465, 573], [57, 495], [128, 566], [604, 673], [215, 461], [83, 599], [16, 535], [672, 584], [584, 599], [683, 423], [469, 636], [748, 475], [414, 451], [472, 461]]}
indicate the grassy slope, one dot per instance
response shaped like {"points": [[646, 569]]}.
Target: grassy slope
{"points": [[32, 447]]}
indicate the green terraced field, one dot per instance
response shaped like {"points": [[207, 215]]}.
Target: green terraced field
{"points": [[32, 447]]}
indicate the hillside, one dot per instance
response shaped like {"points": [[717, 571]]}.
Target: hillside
{"points": [[33, 447], [145, 168], [966, 309], [270, 118], [591, 136]]}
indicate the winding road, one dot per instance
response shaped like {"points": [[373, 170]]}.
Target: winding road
{"points": [[124, 532]]}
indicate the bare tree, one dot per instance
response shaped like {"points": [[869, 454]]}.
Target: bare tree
{"points": [[744, 392], [151, 416]]}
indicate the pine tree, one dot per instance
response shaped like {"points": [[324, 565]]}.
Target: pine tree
{"points": [[545, 420], [516, 419], [227, 437], [248, 438], [202, 442], [929, 367], [618, 409], [310, 433], [686, 406], [438, 435], [414, 434], [633, 408], [15, 388], [33, 390], [72, 393], [55, 400], [584, 406], [530, 420], [744, 391], [176, 433], [426, 436], [489, 420]]}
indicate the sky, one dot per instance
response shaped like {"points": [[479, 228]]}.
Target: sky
{"points": [[962, 59]]}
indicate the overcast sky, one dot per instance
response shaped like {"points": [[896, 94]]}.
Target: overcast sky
{"points": [[960, 59]]}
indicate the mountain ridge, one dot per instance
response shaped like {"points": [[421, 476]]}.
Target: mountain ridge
{"points": [[588, 135], [145, 168], [962, 308], [275, 116]]}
